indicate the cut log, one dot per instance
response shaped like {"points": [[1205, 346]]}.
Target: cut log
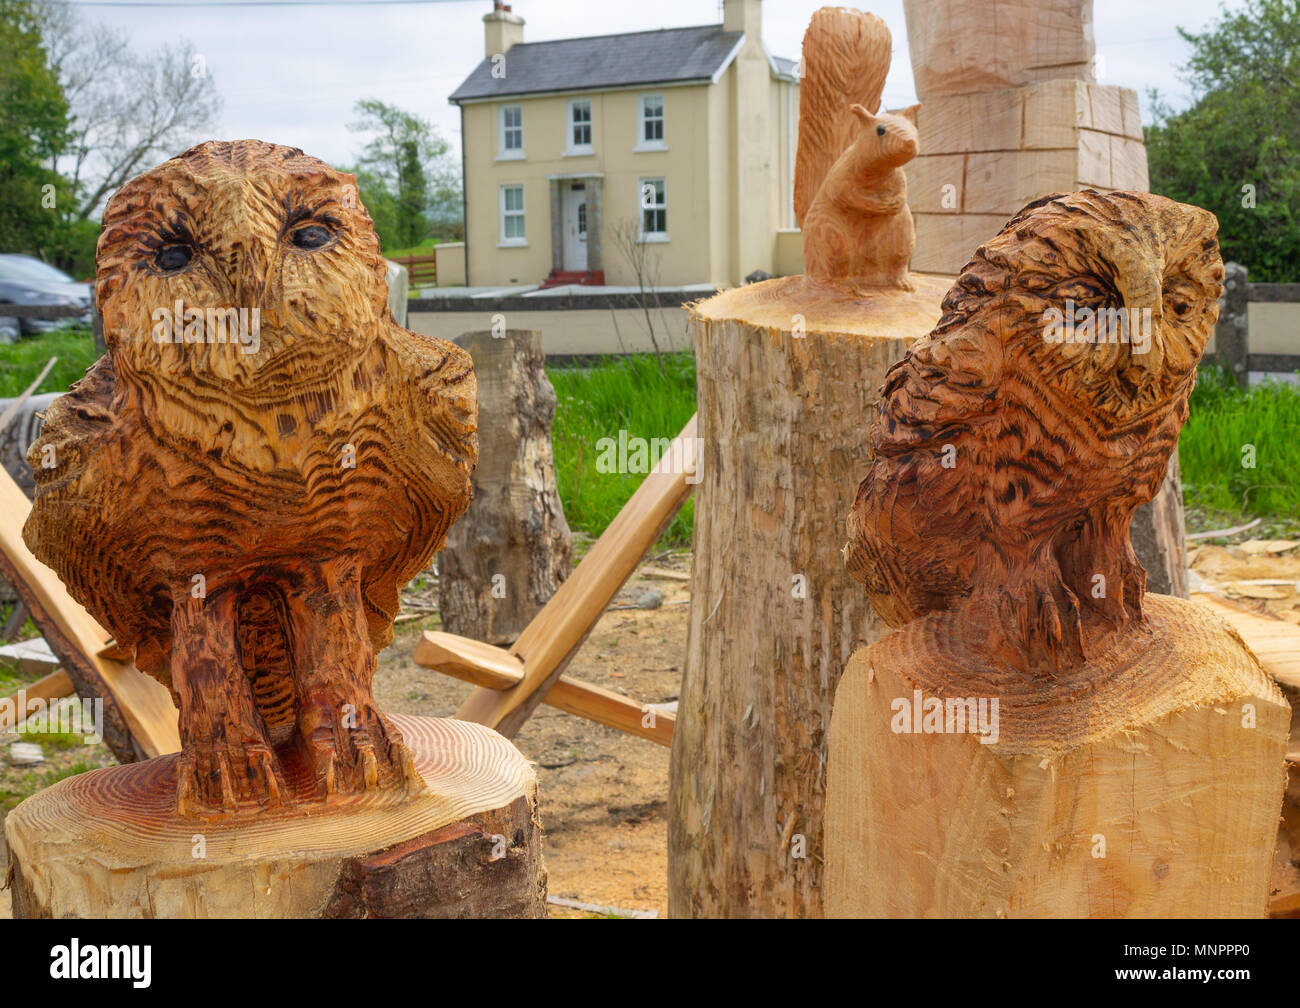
{"points": [[555, 634], [469, 845], [495, 668], [1147, 785], [512, 549], [787, 373]]}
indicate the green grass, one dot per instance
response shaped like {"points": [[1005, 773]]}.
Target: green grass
{"points": [[624, 393], [21, 362], [1224, 421], [30, 783]]}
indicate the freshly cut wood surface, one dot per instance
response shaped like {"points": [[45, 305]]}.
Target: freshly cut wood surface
{"points": [[1144, 784], [1275, 642], [495, 668], [788, 373], [551, 639], [110, 843], [139, 716]]}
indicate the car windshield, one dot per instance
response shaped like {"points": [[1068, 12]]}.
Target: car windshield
{"points": [[24, 268]]}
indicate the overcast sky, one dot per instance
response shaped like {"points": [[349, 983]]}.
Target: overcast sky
{"points": [[292, 73]]}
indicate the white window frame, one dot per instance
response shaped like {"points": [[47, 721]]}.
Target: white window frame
{"points": [[572, 149], [504, 153], [642, 144], [520, 240], [642, 207]]}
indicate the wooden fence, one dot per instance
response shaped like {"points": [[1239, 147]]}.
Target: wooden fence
{"points": [[1232, 338], [423, 270]]}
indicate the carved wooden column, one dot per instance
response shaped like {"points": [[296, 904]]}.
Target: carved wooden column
{"points": [[1039, 737]]}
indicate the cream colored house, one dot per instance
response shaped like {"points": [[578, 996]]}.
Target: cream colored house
{"points": [[582, 153]]}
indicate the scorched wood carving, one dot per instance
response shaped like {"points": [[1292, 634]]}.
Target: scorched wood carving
{"points": [[240, 495], [1013, 444]]}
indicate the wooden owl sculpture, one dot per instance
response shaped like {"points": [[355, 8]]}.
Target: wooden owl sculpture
{"points": [[241, 486], [1014, 442]]}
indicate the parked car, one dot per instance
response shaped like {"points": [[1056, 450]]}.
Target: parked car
{"points": [[25, 280]]}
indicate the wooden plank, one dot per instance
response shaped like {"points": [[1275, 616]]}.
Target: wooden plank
{"points": [[549, 642], [613, 709], [473, 661], [1276, 643], [496, 668], [145, 704], [54, 686]]}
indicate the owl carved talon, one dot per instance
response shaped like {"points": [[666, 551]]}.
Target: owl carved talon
{"points": [[352, 758], [215, 779]]}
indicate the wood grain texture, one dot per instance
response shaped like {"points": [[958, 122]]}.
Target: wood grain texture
{"points": [[844, 62], [1136, 787], [243, 512], [139, 715], [786, 370], [1008, 462], [110, 843], [511, 550], [1040, 738]]}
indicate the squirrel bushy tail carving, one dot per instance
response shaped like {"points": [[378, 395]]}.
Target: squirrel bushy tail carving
{"points": [[850, 195]]}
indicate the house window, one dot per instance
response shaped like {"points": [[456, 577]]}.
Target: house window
{"points": [[512, 215], [579, 126], [651, 135], [654, 210], [512, 132]]}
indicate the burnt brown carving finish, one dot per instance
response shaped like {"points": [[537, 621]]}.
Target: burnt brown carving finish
{"points": [[1014, 442], [240, 487]]}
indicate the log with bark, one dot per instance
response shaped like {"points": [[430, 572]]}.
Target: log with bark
{"points": [[110, 843], [785, 370], [512, 549]]}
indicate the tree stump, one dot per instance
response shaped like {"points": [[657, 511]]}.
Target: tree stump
{"points": [[109, 843], [509, 553], [786, 371], [1147, 784]]}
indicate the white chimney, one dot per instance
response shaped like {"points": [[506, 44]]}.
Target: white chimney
{"points": [[502, 29]]}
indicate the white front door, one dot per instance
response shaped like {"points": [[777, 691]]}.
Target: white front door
{"points": [[575, 226]]}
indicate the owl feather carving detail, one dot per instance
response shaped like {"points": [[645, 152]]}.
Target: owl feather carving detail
{"points": [[242, 513]]}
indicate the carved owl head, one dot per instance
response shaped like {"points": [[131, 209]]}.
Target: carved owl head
{"points": [[239, 240], [1124, 287]]}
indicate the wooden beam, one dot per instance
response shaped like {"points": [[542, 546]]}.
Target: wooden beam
{"points": [[54, 686], [1276, 642], [495, 668], [143, 704], [552, 638]]}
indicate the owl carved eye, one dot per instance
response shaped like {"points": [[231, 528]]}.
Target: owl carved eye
{"points": [[311, 237], [171, 258]]}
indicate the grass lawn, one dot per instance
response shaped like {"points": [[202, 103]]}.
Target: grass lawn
{"points": [[622, 393], [21, 362]]}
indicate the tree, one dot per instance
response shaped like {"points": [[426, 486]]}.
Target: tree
{"points": [[33, 132], [128, 110], [404, 170], [1236, 150]]}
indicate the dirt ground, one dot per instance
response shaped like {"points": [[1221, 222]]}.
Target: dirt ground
{"points": [[604, 793]]}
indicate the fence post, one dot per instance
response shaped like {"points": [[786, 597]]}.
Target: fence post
{"points": [[1232, 332]]}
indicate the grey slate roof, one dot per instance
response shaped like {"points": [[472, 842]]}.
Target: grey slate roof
{"points": [[603, 61]]}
